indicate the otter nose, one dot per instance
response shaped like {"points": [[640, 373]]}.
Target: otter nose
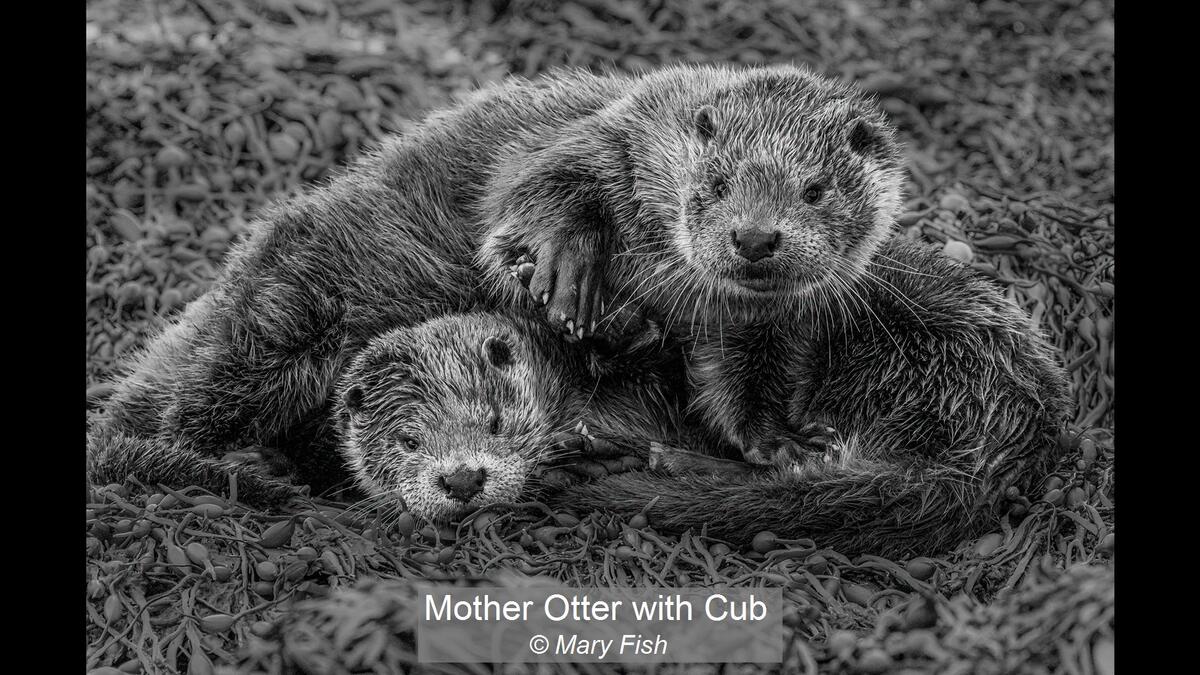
{"points": [[464, 483], [754, 244]]}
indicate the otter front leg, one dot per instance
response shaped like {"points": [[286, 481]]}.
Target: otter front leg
{"points": [[814, 442], [677, 462], [552, 220], [580, 456], [566, 278]]}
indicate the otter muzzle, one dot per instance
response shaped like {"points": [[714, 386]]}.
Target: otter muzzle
{"points": [[463, 484]]}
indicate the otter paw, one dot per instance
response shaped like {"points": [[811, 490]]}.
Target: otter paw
{"points": [[270, 462], [801, 446], [582, 470], [585, 442], [779, 452], [583, 455], [586, 469], [566, 279], [818, 439], [556, 478], [522, 269]]}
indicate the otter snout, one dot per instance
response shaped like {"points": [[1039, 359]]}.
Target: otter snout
{"points": [[463, 484], [755, 243]]}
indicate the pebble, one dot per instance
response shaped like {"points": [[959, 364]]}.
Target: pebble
{"points": [[958, 250]]}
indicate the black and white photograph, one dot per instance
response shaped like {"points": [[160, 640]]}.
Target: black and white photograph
{"points": [[600, 336]]}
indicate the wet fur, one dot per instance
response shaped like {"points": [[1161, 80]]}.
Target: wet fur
{"points": [[390, 242], [942, 400], [609, 170], [941, 393]]}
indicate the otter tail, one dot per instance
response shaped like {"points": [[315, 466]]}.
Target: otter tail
{"points": [[885, 510], [115, 456]]}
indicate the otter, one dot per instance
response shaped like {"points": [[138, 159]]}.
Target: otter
{"points": [[460, 411], [390, 242], [891, 393], [748, 211], [447, 416], [394, 240]]}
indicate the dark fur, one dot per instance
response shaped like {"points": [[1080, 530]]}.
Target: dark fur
{"points": [[940, 393], [627, 203], [940, 401], [482, 391], [392, 242]]}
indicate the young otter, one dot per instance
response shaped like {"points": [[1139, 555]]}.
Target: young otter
{"points": [[752, 213], [445, 417], [458, 412]]}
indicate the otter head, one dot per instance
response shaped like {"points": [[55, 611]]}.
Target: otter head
{"points": [[782, 182], [445, 416]]}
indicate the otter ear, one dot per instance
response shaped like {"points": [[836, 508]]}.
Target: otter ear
{"points": [[864, 138], [353, 399], [705, 121], [497, 352]]}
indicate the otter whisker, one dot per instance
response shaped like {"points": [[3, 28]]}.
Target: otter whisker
{"points": [[698, 299], [906, 267], [677, 302], [907, 302], [703, 299], [665, 280], [876, 263], [374, 502], [633, 251], [638, 278], [866, 306]]}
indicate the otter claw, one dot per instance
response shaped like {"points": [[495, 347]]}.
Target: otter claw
{"points": [[524, 273], [568, 281]]}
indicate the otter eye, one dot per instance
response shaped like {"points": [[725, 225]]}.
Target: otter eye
{"points": [[410, 442], [353, 398], [719, 187], [705, 121], [813, 194]]}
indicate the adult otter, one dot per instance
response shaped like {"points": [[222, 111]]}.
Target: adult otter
{"points": [[747, 195], [390, 242], [752, 212]]}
